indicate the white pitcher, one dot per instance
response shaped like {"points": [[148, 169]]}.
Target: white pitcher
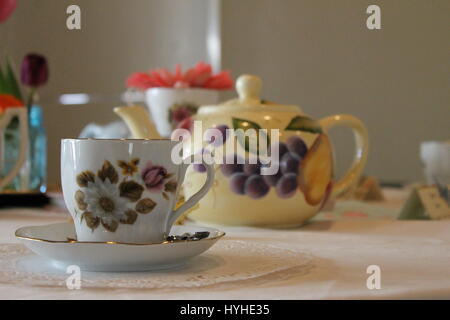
{"points": [[5, 118]]}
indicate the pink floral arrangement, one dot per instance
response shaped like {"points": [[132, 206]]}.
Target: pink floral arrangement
{"points": [[200, 76], [34, 71]]}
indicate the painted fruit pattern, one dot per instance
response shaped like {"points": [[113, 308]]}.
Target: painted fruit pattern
{"points": [[317, 171], [301, 169]]}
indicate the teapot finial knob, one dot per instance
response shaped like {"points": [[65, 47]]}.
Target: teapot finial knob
{"points": [[249, 87]]}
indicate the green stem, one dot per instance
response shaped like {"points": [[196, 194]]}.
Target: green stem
{"points": [[31, 99]]}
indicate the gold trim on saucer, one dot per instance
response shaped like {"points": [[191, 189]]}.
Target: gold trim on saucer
{"points": [[221, 234]]}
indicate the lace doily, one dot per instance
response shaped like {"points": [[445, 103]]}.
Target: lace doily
{"points": [[228, 262]]}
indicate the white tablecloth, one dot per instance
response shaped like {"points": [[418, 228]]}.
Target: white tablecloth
{"points": [[414, 257]]}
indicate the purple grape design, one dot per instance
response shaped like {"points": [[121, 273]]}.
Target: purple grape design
{"points": [[289, 163], [287, 185], [237, 183], [246, 178], [256, 187], [297, 146]]}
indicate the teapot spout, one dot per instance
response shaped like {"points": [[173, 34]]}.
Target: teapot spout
{"points": [[138, 121]]}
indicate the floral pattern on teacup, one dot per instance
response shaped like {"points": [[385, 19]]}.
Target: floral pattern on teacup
{"points": [[105, 199], [157, 179]]}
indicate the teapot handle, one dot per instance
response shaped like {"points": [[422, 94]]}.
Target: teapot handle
{"points": [[362, 148], [10, 113]]}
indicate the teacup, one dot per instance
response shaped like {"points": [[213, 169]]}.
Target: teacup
{"points": [[435, 156], [124, 190]]}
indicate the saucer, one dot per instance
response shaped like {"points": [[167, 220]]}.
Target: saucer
{"points": [[56, 242]]}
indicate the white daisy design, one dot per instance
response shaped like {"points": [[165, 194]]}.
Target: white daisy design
{"points": [[103, 201]]}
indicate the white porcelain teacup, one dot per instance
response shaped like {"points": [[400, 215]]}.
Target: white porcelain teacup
{"points": [[435, 156], [124, 190]]}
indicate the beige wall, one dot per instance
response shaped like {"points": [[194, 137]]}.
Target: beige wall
{"points": [[117, 38], [315, 53], [320, 55]]}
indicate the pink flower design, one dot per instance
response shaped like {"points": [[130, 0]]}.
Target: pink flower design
{"points": [[153, 177], [180, 114], [200, 76], [140, 80], [6, 8], [186, 124]]}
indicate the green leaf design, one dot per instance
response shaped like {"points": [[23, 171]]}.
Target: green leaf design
{"points": [[11, 81], [244, 124], [301, 123], [108, 171], [130, 217], [91, 221], [3, 86], [85, 177], [111, 226], [145, 205], [131, 190], [80, 199], [171, 186]]}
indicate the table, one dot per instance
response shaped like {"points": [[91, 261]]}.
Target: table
{"points": [[414, 258]]}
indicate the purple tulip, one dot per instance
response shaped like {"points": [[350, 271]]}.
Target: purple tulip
{"points": [[153, 177], [34, 71], [6, 8]]}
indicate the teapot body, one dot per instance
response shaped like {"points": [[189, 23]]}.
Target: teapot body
{"points": [[244, 196], [244, 192]]}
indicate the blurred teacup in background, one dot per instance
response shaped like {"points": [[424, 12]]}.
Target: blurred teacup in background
{"points": [[435, 156]]}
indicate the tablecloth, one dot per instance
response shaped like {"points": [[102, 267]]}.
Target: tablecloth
{"points": [[413, 257]]}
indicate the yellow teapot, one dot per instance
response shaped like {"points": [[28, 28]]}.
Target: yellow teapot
{"points": [[242, 193]]}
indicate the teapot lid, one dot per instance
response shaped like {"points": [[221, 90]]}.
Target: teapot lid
{"points": [[249, 89]]}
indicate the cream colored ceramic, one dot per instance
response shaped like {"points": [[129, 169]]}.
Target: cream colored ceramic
{"points": [[56, 242], [296, 194], [5, 119]]}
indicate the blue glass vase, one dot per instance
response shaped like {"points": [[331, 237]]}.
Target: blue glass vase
{"points": [[33, 175], [37, 156]]}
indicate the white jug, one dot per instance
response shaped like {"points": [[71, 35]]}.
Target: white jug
{"points": [[5, 118]]}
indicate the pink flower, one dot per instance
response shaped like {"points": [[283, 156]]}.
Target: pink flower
{"points": [[140, 80], [200, 76], [6, 8], [180, 114], [186, 124], [220, 81], [153, 177]]}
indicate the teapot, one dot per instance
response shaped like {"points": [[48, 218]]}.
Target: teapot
{"points": [[242, 194]]}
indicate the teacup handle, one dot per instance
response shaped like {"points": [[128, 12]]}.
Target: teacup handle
{"points": [[9, 114], [361, 152], [192, 201]]}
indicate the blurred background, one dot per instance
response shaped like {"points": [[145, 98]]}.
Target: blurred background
{"points": [[316, 54]]}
